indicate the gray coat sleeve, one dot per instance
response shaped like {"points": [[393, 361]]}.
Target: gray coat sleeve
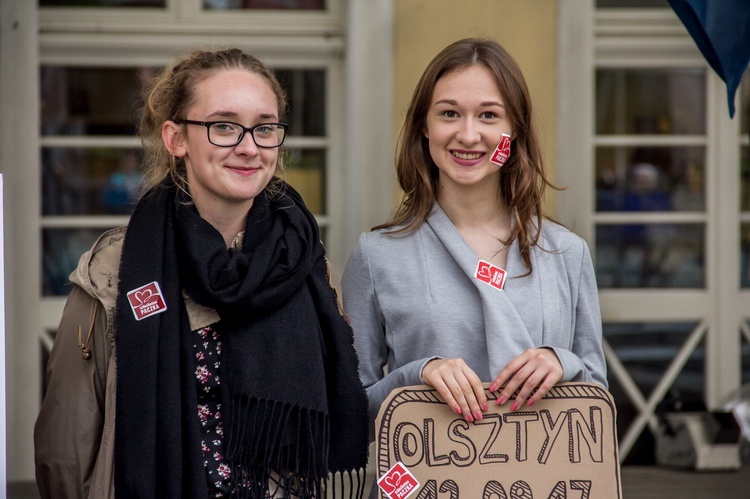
{"points": [[585, 361], [361, 305]]}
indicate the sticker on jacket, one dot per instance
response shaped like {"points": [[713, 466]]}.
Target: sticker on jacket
{"points": [[492, 275], [398, 482], [146, 301]]}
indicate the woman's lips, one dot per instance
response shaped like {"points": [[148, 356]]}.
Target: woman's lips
{"points": [[467, 158]]}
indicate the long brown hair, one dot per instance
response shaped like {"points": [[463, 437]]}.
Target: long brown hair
{"points": [[171, 93], [522, 179]]}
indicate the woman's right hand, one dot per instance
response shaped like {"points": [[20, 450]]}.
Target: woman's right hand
{"points": [[459, 386]]}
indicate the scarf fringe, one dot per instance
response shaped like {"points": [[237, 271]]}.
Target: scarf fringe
{"points": [[350, 484], [276, 448]]}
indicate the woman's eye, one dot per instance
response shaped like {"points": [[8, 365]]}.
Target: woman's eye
{"points": [[224, 127], [264, 129], [449, 114], [488, 115]]}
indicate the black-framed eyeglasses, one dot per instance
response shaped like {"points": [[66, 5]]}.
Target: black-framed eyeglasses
{"points": [[229, 134]]}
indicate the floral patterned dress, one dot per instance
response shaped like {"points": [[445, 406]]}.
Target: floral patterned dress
{"points": [[207, 347]]}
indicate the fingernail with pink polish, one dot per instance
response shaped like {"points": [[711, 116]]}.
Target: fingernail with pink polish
{"points": [[514, 406], [500, 400], [530, 403], [470, 418], [457, 409], [485, 408], [493, 387], [479, 415]]}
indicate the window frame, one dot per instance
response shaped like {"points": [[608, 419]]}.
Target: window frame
{"points": [[648, 38]]}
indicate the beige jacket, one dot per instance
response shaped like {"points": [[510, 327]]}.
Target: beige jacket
{"points": [[74, 432]]}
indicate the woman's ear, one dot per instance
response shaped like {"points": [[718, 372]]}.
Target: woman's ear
{"points": [[174, 140]]}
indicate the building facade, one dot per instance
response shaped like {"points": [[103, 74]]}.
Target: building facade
{"points": [[634, 125]]}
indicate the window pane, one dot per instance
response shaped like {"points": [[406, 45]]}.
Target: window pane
{"points": [[646, 350], [61, 249], [103, 3], [306, 173], [91, 101], [650, 255], [265, 4], [306, 92], [650, 101], [89, 181], [650, 179]]}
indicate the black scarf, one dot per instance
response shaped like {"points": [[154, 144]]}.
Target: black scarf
{"points": [[291, 398]]}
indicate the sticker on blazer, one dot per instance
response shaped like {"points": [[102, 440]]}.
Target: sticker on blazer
{"points": [[146, 301], [398, 482], [502, 151], [492, 275]]}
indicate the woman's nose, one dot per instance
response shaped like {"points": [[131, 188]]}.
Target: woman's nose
{"points": [[469, 133], [246, 146]]}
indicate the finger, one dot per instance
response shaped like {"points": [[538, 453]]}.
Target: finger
{"points": [[431, 376], [445, 392], [541, 390], [464, 394], [477, 399], [510, 378], [526, 388], [463, 384], [515, 373], [549, 381], [448, 375], [543, 366]]}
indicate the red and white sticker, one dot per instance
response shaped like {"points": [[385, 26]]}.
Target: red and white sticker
{"points": [[492, 275], [146, 301], [502, 151], [398, 482]]}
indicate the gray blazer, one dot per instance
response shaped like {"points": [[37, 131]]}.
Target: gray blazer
{"points": [[411, 298]]}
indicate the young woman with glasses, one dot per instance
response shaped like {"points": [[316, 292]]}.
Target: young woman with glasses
{"points": [[202, 351]]}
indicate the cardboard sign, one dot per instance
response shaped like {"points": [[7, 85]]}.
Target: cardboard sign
{"points": [[565, 448]]}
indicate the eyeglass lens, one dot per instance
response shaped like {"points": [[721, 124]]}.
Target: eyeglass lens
{"points": [[229, 134]]}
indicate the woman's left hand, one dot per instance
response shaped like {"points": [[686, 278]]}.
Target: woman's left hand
{"points": [[536, 369]]}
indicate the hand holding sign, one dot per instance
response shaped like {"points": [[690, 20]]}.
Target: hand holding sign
{"points": [[534, 371], [459, 386]]}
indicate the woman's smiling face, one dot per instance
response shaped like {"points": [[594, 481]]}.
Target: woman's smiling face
{"points": [[223, 176], [465, 122]]}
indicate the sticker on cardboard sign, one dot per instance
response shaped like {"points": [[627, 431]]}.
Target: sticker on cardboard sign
{"points": [[491, 274], [398, 482], [502, 151], [146, 301]]}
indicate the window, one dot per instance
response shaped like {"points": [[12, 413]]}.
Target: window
{"points": [[650, 161], [657, 178]]}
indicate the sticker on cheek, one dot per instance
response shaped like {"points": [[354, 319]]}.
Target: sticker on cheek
{"points": [[502, 151]]}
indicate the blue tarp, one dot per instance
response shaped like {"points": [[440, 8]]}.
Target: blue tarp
{"points": [[721, 29]]}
